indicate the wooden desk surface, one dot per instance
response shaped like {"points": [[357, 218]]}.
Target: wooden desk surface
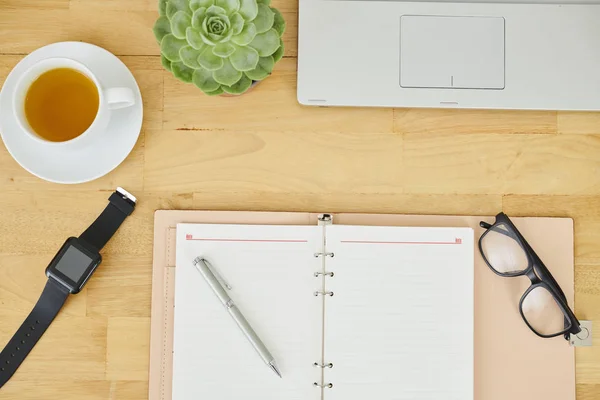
{"points": [[261, 151]]}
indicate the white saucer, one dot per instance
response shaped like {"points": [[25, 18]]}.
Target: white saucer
{"points": [[88, 163]]}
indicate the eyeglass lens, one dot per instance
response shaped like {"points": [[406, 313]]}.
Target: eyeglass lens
{"points": [[542, 312], [502, 251]]}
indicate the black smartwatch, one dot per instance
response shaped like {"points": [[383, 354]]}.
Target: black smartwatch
{"points": [[67, 274]]}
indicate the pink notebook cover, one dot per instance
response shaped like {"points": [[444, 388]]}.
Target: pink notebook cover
{"points": [[510, 361]]}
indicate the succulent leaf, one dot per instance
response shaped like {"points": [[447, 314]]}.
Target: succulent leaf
{"points": [[230, 6], [177, 5], [179, 24], [162, 7], [223, 50], [248, 9], [244, 58], [239, 87], [198, 18], [278, 55], [165, 63], [208, 60], [217, 92], [207, 40], [215, 10], [263, 69], [227, 75], [194, 39], [246, 36], [227, 38], [170, 46], [196, 4], [266, 43], [189, 56], [182, 72], [204, 80], [214, 38], [219, 45], [264, 19], [162, 27], [237, 23], [279, 22]]}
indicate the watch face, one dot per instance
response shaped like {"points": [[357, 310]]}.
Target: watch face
{"points": [[73, 265]]}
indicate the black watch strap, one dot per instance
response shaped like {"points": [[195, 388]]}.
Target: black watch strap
{"points": [[120, 206], [51, 301]]}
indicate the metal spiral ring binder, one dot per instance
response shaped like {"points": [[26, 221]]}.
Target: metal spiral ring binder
{"points": [[324, 221]]}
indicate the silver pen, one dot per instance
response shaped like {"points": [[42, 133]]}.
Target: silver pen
{"points": [[218, 285]]}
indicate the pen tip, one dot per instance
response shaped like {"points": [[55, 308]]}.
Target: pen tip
{"points": [[274, 368]]}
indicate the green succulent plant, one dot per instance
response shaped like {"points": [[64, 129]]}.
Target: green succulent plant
{"points": [[222, 46]]}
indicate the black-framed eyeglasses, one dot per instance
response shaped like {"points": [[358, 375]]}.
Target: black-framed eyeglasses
{"points": [[543, 306]]}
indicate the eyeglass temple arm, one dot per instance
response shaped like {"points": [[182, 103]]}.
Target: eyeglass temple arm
{"points": [[575, 329]]}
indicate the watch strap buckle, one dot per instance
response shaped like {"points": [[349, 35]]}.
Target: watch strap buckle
{"points": [[123, 200]]}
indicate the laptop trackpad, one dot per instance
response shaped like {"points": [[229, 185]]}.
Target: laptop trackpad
{"points": [[451, 52]]}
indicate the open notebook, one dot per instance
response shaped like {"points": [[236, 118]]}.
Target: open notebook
{"points": [[395, 321]]}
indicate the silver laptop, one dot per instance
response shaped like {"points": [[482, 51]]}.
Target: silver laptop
{"points": [[477, 54]]}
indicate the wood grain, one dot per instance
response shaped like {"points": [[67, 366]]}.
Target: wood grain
{"points": [[21, 287], [62, 389], [585, 211], [71, 346], [349, 202], [498, 164], [271, 106], [473, 121], [128, 336], [579, 123], [34, 4], [222, 160], [261, 151]]}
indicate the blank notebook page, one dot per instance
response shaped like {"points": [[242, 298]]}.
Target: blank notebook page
{"points": [[271, 271], [400, 323]]}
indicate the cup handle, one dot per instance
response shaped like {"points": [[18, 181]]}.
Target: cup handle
{"points": [[120, 97]]}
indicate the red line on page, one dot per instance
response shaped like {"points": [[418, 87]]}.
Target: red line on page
{"points": [[188, 237], [457, 241]]}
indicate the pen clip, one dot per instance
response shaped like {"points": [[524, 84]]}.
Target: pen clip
{"points": [[214, 271]]}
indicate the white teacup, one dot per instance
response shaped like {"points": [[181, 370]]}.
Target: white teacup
{"points": [[109, 99]]}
